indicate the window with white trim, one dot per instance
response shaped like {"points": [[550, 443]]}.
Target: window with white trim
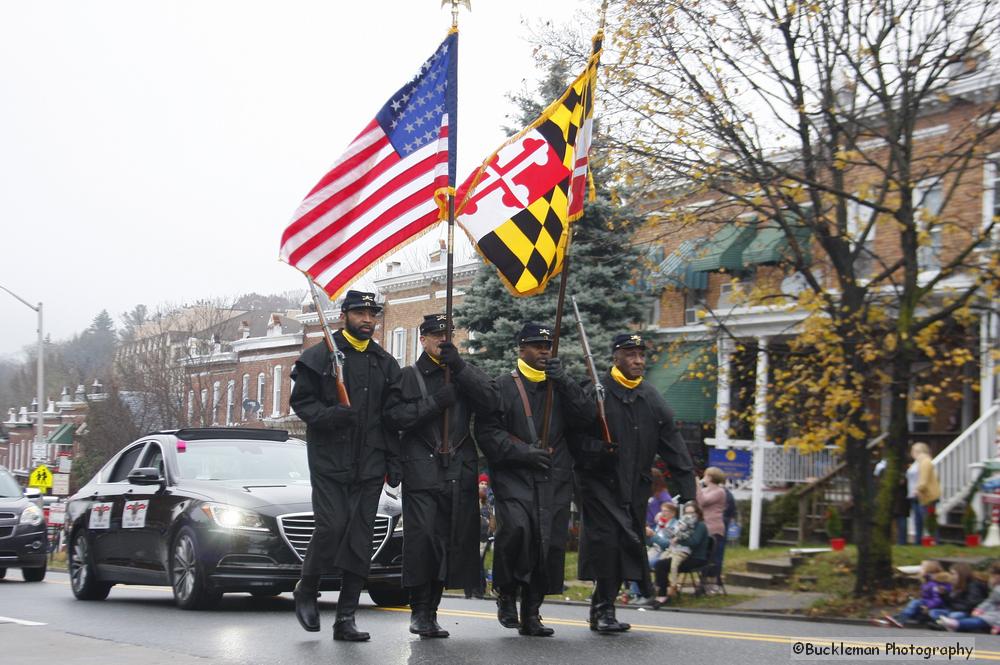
{"points": [[398, 345], [230, 398], [417, 348], [858, 217], [928, 199], [276, 392], [991, 193], [246, 394], [261, 383], [216, 395]]}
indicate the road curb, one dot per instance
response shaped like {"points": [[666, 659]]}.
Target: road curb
{"points": [[717, 611]]}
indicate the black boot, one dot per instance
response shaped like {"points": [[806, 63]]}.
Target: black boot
{"points": [[437, 588], [531, 621], [306, 607], [602, 608], [419, 610], [344, 627], [507, 606]]}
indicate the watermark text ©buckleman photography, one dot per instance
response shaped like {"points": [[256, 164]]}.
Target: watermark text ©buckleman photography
{"points": [[846, 648]]}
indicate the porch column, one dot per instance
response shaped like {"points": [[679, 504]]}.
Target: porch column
{"points": [[759, 441], [722, 393], [986, 365]]}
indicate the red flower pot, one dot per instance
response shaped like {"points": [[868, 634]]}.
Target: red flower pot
{"points": [[837, 544], [928, 541], [972, 540]]}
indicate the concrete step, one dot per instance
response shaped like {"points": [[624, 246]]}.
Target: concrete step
{"points": [[782, 566], [755, 580], [781, 542]]}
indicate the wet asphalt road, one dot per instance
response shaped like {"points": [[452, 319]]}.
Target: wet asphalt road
{"points": [[141, 625]]}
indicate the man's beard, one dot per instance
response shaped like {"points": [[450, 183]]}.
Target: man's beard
{"points": [[358, 334]]}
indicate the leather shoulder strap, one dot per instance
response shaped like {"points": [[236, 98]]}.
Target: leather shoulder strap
{"points": [[526, 404]]}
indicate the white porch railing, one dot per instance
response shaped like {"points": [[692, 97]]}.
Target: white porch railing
{"points": [[953, 464]]}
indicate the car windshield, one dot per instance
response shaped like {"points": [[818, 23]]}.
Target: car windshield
{"points": [[8, 486], [243, 460]]}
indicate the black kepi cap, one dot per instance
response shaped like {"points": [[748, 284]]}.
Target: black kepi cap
{"points": [[360, 300], [433, 323], [534, 332], [627, 341]]}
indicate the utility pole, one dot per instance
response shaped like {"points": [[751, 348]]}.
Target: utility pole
{"points": [[40, 417]]}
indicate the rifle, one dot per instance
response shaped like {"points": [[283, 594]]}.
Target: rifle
{"points": [[335, 354], [602, 417]]}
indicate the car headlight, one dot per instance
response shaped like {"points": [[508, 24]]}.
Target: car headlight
{"points": [[229, 517], [32, 516]]}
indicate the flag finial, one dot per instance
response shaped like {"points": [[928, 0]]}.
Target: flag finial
{"points": [[454, 9]]}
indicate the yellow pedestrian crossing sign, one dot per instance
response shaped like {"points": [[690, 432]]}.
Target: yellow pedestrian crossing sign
{"points": [[40, 477]]}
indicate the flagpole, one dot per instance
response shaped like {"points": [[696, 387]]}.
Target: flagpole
{"points": [[445, 453], [564, 276]]}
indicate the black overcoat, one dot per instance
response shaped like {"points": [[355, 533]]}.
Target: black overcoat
{"points": [[440, 503], [347, 465], [614, 489], [532, 506]]}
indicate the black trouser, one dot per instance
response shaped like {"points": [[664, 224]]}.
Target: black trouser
{"points": [[661, 569]]}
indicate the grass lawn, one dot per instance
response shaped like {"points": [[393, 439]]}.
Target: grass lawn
{"points": [[581, 590], [834, 574]]}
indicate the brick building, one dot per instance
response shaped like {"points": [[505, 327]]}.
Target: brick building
{"points": [[724, 345]]}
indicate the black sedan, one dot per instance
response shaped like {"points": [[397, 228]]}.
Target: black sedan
{"points": [[209, 511], [24, 541]]}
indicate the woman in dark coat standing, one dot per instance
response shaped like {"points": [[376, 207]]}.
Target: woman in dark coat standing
{"points": [[614, 480]]}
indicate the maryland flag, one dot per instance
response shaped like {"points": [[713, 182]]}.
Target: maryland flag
{"points": [[517, 207]]}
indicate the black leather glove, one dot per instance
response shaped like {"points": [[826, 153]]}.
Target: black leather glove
{"points": [[394, 475], [538, 458], [341, 416], [445, 396], [451, 357], [554, 370]]}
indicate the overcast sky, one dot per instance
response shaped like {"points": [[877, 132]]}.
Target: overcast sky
{"points": [[152, 151]]}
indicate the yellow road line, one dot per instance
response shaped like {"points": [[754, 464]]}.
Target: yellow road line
{"points": [[639, 628], [695, 632]]}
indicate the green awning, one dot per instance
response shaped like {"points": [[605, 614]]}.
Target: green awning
{"points": [[724, 250], [675, 270], [640, 282], [686, 378], [770, 245], [63, 435]]}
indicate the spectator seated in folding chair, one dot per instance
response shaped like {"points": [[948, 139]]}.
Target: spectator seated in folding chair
{"points": [[705, 571], [689, 552]]}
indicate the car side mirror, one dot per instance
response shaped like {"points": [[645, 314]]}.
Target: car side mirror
{"points": [[32, 492], [146, 475]]}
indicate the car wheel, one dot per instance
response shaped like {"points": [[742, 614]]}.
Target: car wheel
{"points": [[82, 578], [34, 574], [192, 590], [389, 596]]}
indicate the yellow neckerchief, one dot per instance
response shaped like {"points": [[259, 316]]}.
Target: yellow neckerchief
{"points": [[358, 344], [529, 372], [620, 378], [434, 360]]}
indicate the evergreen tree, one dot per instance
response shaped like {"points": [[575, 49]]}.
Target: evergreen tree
{"points": [[602, 262]]}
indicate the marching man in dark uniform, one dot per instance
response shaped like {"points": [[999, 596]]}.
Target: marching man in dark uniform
{"points": [[440, 488], [532, 485], [614, 479], [351, 450]]}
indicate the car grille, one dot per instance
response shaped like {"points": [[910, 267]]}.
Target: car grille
{"points": [[7, 516], [297, 530]]}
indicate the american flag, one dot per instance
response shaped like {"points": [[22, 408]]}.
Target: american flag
{"points": [[380, 194]]}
